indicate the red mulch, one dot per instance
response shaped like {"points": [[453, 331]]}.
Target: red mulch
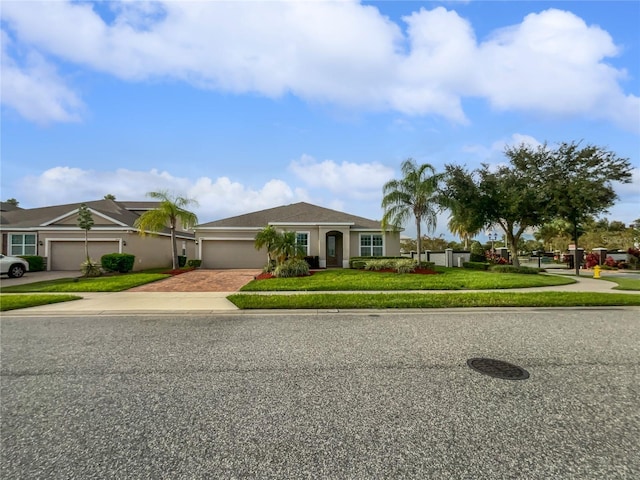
{"points": [[418, 271], [178, 271]]}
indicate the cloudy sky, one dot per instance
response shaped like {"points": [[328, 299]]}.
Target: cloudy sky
{"points": [[247, 105]]}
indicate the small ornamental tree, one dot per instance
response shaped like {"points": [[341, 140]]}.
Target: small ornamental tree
{"points": [[85, 222]]}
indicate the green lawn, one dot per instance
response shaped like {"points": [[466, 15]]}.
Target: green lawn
{"points": [[446, 279], [14, 302], [431, 300], [114, 283], [624, 283]]}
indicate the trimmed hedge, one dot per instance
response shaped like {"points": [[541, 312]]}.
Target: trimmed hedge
{"points": [[194, 263], [36, 262], [118, 262], [360, 262], [513, 269], [475, 265]]}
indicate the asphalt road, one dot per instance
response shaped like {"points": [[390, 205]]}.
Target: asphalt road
{"points": [[357, 396]]}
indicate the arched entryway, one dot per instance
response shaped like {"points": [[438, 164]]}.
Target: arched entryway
{"points": [[334, 249]]}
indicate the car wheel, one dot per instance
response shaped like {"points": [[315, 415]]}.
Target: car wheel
{"points": [[16, 271]]}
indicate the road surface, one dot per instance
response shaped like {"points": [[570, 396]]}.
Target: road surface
{"points": [[360, 395]]}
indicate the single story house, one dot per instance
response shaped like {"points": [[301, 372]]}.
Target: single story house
{"points": [[331, 235], [53, 232]]}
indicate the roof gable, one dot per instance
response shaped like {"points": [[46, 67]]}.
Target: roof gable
{"points": [[295, 213]]}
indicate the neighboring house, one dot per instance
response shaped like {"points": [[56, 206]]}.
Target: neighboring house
{"points": [[331, 235], [53, 232]]}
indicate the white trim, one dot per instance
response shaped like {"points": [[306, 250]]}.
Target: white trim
{"points": [[311, 224], [384, 244], [308, 234], [73, 212], [256, 229], [227, 238]]}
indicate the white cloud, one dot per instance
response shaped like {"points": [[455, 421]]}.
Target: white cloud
{"points": [[35, 90], [496, 150], [339, 52], [217, 198], [356, 180]]}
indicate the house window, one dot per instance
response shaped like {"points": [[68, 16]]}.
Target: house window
{"points": [[23, 244], [302, 239], [371, 245]]}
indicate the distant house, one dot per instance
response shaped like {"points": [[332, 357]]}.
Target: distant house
{"points": [[330, 235], [53, 232]]}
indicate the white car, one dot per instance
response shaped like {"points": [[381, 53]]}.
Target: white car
{"points": [[13, 266]]}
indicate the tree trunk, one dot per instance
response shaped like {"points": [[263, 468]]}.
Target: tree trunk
{"points": [[575, 252], [513, 249], [174, 249], [86, 244], [418, 242]]}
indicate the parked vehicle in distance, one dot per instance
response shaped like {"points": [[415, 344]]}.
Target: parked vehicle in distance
{"points": [[13, 266]]}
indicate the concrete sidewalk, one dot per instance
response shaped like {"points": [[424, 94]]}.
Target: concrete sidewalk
{"points": [[216, 302]]}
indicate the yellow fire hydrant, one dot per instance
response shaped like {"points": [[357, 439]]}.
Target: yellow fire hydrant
{"points": [[596, 271]]}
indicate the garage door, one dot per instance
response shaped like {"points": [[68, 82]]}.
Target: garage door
{"points": [[232, 254], [69, 255]]}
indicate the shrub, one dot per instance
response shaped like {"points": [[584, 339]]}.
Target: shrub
{"points": [[610, 262], [90, 268], [36, 262], [379, 264], [294, 267], [475, 265], [591, 260], [118, 262], [359, 262], [405, 266], [512, 269], [194, 263]]}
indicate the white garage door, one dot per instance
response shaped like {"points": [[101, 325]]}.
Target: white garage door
{"points": [[232, 254], [69, 255]]}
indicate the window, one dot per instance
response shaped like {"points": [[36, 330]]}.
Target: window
{"points": [[302, 239], [23, 244], [371, 245]]}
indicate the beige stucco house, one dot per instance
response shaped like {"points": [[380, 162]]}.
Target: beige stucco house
{"points": [[331, 235], [53, 232]]}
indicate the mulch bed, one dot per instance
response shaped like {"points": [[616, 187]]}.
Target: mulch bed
{"points": [[417, 271], [178, 271]]}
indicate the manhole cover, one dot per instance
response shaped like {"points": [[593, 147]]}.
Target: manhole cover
{"points": [[498, 369]]}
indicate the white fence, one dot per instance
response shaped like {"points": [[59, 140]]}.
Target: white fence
{"points": [[446, 258]]}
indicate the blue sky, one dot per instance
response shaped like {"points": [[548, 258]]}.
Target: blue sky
{"points": [[247, 105]]}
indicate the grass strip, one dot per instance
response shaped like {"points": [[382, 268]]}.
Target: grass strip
{"points": [[445, 279], [116, 283], [624, 283], [436, 300], [14, 302]]}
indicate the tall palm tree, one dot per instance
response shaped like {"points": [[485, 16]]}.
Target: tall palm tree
{"points": [[415, 195], [170, 211]]}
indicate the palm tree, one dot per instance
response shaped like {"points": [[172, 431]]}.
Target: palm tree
{"points": [[414, 195], [267, 237], [286, 247], [170, 211]]}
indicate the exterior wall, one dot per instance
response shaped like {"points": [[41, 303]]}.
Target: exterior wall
{"points": [[150, 251]]}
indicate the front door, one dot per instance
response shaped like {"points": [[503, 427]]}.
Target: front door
{"points": [[334, 249]]}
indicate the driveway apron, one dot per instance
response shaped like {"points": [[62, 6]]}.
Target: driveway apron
{"points": [[202, 280]]}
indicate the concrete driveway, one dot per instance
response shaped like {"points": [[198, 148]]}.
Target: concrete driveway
{"points": [[33, 277]]}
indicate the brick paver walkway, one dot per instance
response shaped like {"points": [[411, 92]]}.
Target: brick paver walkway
{"points": [[201, 280]]}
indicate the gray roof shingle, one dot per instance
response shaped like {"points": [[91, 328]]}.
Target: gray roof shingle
{"points": [[301, 212]]}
